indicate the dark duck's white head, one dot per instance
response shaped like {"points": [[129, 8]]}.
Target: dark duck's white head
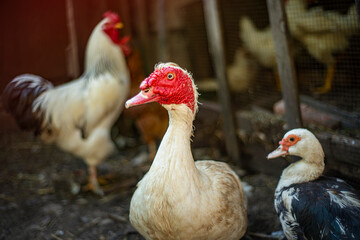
{"points": [[302, 143]]}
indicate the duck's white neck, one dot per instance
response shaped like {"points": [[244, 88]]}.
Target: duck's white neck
{"points": [[308, 169], [174, 154]]}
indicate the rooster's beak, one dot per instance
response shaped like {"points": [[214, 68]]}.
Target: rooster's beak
{"points": [[279, 152], [119, 25], [145, 96]]}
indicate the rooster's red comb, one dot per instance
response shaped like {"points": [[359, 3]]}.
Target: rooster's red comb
{"points": [[112, 16]]}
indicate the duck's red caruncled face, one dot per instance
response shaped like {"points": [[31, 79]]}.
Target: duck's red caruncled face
{"points": [[166, 85]]}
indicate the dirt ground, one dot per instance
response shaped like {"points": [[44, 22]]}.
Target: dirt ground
{"points": [[40, 196]]}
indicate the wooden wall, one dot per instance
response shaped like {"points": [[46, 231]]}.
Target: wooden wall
{"points": [[33, 39], [34, 36]]}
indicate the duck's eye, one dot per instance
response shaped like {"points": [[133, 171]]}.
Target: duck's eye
{"points": [[147, 90], [292, 139], [170, 76]]}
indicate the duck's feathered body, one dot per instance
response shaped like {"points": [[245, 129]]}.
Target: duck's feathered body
{"points": [[326, 208], [309, 205], [182, 199]]}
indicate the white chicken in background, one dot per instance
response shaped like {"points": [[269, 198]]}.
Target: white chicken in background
{"points": [[240, 74], [179, 198], [322, 33], [260, 44], [242, 71], [77, 116]]}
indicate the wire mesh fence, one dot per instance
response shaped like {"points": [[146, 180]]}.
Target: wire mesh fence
{"points": [[328, 64], [324, 42]]}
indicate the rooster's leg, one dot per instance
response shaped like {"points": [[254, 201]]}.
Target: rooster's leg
{"points": [[93, 184], [328, 80]]}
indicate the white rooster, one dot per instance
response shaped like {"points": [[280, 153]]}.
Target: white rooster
{"points": [[77, 116]]}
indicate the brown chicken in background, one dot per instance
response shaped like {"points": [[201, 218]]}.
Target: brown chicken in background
{"points": [[152, 119]]}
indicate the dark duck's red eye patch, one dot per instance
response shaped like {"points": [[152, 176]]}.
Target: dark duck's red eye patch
{"points": [[289, 141]]}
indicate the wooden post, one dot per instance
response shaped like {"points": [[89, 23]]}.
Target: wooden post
{"points": [[285, 63], [215, 40], [141, 25], [161, 31], [72, 50], [125, 17], [357, 2]]}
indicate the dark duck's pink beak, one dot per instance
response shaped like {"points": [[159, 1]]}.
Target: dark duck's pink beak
{"points": [[279, 152]]}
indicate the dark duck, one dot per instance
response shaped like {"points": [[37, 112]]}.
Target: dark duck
{"points": [[309, 205]]}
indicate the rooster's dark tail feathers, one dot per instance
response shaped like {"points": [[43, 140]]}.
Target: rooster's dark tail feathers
{"points": [[18, 98]]}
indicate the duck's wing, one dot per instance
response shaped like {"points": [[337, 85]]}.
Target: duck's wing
{"points": [[327, 208]]}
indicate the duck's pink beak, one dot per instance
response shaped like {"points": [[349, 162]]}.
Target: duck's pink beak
{"points": [[145, 96], [279, 152]]}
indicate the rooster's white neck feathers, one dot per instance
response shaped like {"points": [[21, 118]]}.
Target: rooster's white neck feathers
{"points": [[102, 51]]}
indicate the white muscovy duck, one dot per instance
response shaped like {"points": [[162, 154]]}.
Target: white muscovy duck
{"points": [[179, 198], [309, 205]]}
